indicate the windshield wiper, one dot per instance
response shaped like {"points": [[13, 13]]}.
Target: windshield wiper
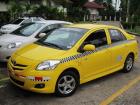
{"points": [[52, 44]]}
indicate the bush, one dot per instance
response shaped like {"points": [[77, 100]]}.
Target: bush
{"points": [[129, 25], [77, 14], [5, 18], [48, 13]]}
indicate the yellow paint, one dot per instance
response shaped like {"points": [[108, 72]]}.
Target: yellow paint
{"points": [[119, 92], [92, 66]]}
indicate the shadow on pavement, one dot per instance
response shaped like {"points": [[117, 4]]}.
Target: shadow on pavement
{"points": [[3, 69], [3, 64], [16, 96], [18, 92]]}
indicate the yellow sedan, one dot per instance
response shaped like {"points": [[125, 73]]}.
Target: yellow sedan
{"points": [[70, 56]]}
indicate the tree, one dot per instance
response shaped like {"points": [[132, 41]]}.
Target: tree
{"points": [[134, 9], [78, 3], [15, 10], [60, 2], [103, 1], [48, 12], [109, 10], [76, 10]]}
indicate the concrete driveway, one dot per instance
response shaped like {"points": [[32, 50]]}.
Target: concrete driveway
{"points": [[115, 89]]}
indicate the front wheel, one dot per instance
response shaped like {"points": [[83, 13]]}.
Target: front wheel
{"points": [[67, 84], [129, 62]]}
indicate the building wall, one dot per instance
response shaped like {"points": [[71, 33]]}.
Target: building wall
{"points": [[91, 0], [94, 14], [3, 7], [94, 11]]}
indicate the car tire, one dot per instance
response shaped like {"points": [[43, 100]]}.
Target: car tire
{"points": [[66, 84], [129, 62]]}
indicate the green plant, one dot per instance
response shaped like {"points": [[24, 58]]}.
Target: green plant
{"points": [[129, 25], [76, 11], [48, 12]]}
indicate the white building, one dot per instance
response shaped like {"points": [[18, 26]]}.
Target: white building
{"points": [[3, 7], [93, 8]]}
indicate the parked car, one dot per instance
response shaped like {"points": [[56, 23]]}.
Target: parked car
{"points": [[26, 34], [72, 55], [18, 23]]}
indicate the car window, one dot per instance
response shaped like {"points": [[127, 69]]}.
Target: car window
{"points": [[49, 28], [97, 38], [116, 35], [36, 19], [63, 37], [53, 26], [44, 29], [29, 29], [18, 21], [26, 21]]}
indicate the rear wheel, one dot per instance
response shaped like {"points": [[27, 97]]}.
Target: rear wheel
{"points": [[66, 84], [129, 62]]}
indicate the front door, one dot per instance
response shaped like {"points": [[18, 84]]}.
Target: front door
{"points": [[98, 61]]}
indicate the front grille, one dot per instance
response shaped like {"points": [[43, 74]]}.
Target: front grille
{"points": [[17, 81], [14, 68], [17, 66]]}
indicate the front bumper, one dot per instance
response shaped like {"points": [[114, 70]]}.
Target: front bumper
{"points": [[5, 31], [27, 81], [30, 85]]}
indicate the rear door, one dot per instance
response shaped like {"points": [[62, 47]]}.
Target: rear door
{"points": [[117, 48]]}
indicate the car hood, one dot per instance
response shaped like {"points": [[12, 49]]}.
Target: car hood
{"points": [[39, 53], [11, 26], [10, 38]]}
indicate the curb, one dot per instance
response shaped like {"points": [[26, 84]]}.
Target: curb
{"points": [[136, 34], [4, 79]]}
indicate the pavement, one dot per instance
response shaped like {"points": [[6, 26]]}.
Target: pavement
{"points": [[115, 89]]}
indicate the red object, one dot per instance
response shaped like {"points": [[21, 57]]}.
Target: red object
{"points": [[38, 78], [93, 5]]}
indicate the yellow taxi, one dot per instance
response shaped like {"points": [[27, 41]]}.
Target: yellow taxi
{"points": [[72, 55]]}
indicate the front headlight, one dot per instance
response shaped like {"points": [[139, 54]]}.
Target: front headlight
{"points": [[14, 45], [48, 65]]}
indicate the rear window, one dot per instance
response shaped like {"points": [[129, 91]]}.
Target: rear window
{"points": [[28, 29], [18, 21], [116, 35]]}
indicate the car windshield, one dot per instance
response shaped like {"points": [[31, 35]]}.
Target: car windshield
{"points": [[18, 21], [28, 29], [62, 38]]}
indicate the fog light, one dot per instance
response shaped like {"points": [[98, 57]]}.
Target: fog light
{"points": [[42, 85]]}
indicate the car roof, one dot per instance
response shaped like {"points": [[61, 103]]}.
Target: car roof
{"points": [[91, 26], [53, 22], [30, 17]]}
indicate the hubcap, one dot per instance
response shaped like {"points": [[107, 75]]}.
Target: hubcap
{"points": [[66, 84], [129, 64]]}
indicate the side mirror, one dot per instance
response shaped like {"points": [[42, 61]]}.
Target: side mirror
{"points": [[41, 35], [89, 47]]}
